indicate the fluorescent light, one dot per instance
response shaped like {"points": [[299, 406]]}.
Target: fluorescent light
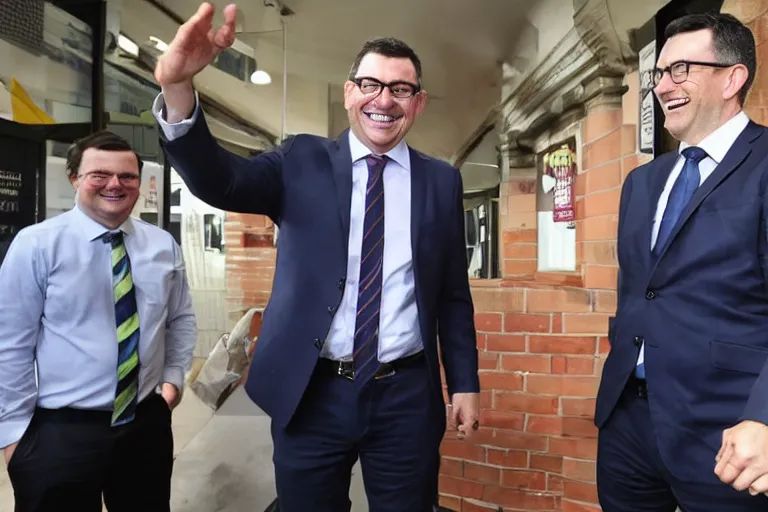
{"points": [[159, 44], [261, 77], [127, 45]]}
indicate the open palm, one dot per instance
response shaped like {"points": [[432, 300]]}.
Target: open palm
{"points": [[196, 45]]}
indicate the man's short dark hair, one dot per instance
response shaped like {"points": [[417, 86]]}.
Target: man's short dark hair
{"points": [[732, 41], [388, 47], [104, 140]]}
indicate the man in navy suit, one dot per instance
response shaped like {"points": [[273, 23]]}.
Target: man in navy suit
{"points": [[683, 402], [371, 268]]}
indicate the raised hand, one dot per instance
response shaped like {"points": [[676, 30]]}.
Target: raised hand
{"points": [[195, 46]]}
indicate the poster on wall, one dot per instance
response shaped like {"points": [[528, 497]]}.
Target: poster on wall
{"points": [[17, 205], [149, 207], [647, 62]]}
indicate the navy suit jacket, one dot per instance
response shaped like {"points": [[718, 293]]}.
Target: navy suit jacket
{"points": [[305, 187], [700, 307]]}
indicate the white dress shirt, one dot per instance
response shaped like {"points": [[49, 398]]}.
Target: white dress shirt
{"points": [[58, 337], [399, 332], [716, 144]]}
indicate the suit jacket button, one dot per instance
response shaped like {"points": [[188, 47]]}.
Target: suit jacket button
{"points": [[341, 283], [650, 294], [318, 343], [331, 310], [638, 341]]}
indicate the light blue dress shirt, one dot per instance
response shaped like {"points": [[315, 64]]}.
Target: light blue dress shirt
{"points": [[399, 333], [58, 339]]}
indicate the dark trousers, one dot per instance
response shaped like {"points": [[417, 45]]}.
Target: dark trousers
{"points": [[394, 425], [631, 475], [67, 459]]}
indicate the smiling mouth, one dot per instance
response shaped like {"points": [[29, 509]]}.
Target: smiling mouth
{"points": [[676, 103], [113, 197], [382, 119]]}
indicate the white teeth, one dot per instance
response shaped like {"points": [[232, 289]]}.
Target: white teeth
{"points": [[677, 102], [381, 118]]}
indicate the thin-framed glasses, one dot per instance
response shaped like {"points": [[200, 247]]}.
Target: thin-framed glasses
{"points": [[126, 179], [399, 89], [678, 71]]}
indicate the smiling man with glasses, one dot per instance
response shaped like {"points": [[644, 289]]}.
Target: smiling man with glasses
{"points": [[682, 408], [371, 268], [96, 334]]}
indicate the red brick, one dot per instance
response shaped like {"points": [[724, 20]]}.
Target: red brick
{"points": [[501, 380], [518, 499], [572, 506], [601, 122], [602, 203], [501, 300], [555, 483], [520, 251], [486, 399], [601, 277], [520, 236], [508, 458], [561, 385], [451, 467], [588, 323], [462, 450], [515, 322], [580, 491], [575, 448], [488, 322], [526, 403], [500, 419], [572, 300], [605, 301], [605, 346], [580, 407], [562, 344], [522, 479], [460, 487], [603, 177], [579, 427], [505, 343], [468, 506], [559, 365], [544, 425], [482, 473], [580, 365], [520, 441], [582, 470], [557, 323], [551, 463], [488, 361], [526, 363], [520, 268], [450, 502]]}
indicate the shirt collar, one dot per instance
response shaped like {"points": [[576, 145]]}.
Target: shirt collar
{"points": [[93, 230], [399, 153], [717, 143]]}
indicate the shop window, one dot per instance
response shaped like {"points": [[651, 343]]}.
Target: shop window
{"points": [[555, 200]]}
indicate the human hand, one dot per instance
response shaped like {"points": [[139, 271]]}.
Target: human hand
{"points": [[742, 461], [8, 452], [464, 413], [170, 394], [195, 46]]}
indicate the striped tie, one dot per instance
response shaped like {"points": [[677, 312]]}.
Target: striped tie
{"points": [[369, 294], [127, 320]]}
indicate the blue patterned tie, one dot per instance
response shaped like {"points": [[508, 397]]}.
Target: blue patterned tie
{"points": [[681, 193], [127, 323], [366, 345]]}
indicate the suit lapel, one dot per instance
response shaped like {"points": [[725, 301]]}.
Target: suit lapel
{"points": [[418, 199], [657, 179], [341, 161], [733, 159]]}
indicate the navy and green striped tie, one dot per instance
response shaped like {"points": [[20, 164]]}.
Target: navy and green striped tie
{"points": [[127, 320]]}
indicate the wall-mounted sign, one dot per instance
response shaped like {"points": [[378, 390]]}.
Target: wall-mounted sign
{"points": [[647, 62]]}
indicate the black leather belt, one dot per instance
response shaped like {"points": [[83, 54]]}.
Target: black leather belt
{"points": [[346, 369]]}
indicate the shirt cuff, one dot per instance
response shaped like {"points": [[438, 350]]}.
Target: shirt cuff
{"points": [[174, 375], [173, 131], [12, 430]]}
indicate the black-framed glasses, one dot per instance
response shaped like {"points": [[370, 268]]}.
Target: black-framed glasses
{"points": [[126, 179], [678, 71], [399, 89]]}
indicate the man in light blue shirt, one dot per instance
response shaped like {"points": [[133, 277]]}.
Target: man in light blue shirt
{"points": [[96, 334]]}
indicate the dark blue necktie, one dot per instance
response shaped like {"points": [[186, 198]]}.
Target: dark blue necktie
{"points": [[366, 347], [682, 191]]}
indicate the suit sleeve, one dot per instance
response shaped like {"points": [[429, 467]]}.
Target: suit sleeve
{"points": [[626, 192], [220, 178], [456, 322], [757, 404]]}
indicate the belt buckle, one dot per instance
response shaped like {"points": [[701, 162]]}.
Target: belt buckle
{"points": [[384, 366], [345, 371]]}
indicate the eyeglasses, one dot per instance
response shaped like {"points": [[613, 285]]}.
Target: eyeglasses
{"points": [[372, 86], [678, 71], [126, 179]]}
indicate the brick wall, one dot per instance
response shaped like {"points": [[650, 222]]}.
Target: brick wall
{"points": [[542, 341]]}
